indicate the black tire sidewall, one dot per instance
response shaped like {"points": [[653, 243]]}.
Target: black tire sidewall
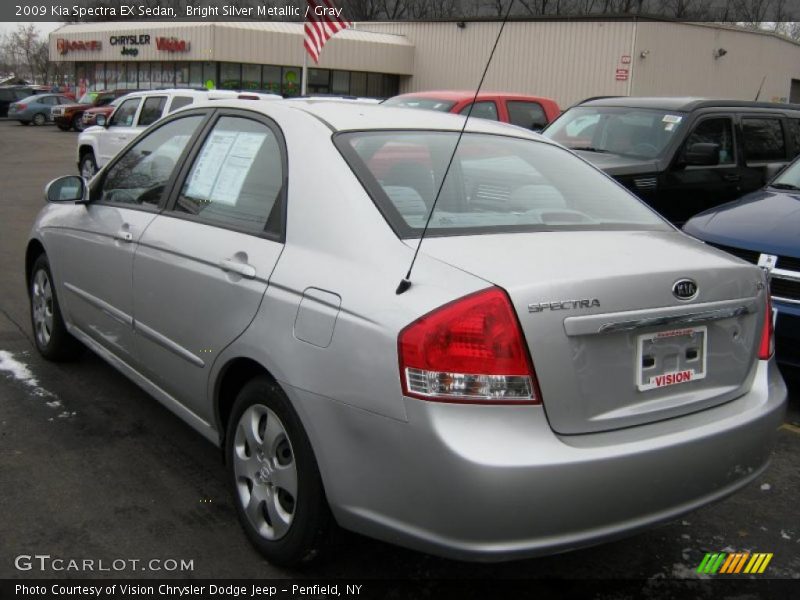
{"points": [[308, 533], [89, 157]]}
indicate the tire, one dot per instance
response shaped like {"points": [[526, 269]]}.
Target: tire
{"points": [[39, 119], [88, 165], [274, 478], [63, 127], [50, 335], [77, 123], [26, 123]]}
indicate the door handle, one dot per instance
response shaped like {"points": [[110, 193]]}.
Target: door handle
{"points": [[123, 235], [732, 177], [234, 266]]}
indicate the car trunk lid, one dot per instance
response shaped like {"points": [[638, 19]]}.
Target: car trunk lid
{"points": [[611, 343]]}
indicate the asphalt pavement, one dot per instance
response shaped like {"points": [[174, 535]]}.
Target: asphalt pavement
{"points": [[91, 467]]}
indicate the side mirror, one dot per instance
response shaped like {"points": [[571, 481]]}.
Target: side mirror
{"points": [[101, 120], [71, 188], [771, 171], [702, 154]]}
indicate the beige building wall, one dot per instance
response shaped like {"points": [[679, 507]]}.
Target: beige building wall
{"points": [[567, 61], [570, 61], [680, 61]]}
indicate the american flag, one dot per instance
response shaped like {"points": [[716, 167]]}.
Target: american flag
{"points": [[321, 27]]}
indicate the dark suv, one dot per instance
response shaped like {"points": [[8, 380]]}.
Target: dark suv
{"points": [[682, 155], [10, 94]]}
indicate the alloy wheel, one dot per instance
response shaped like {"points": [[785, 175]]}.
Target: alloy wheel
{"points": [[266, 472], [42, 300]]}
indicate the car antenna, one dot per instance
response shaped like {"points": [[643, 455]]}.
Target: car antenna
{"points": [[405, 283], [758, 93]]}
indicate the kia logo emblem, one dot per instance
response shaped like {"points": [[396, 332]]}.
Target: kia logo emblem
{"points": [[684, 289]]}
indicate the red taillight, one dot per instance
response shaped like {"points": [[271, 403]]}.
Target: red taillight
{"points": [[20, 106], [471, 350], [767, 346]]}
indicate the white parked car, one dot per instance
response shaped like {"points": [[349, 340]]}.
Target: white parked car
{"points": [[135, 113]]}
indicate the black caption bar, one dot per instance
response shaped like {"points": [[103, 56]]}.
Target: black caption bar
{"points": [[287, 589], [730, 11]]}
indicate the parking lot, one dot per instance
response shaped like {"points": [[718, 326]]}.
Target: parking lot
{"points": [[93, 467]]}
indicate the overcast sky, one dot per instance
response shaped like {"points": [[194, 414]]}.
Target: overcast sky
{"points": [[44, 28]]}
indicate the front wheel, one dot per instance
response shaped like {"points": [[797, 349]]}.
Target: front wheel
{"points": [[274, 477], [77, 123], [88, 165], [52, 339], [39, 119]]}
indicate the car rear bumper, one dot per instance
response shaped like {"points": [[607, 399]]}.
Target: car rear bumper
{"points": [[787, 333], [496, 483]]}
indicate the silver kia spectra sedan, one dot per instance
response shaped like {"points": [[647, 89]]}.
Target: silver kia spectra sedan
{"points": [[565, 368]]}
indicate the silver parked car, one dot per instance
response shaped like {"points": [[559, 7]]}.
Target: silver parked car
{"points": [[566, 367]]}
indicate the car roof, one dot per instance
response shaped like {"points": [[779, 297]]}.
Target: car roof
{"points": [[355, 116], [683, 103], [459, 95]]}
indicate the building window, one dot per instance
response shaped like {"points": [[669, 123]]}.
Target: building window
{"points": [[181, 74], [340, 82], [167, 74], [131, 76], [318, 81], [358, 84], [99, 82], [144, 76], [230, 75], [374, 85], [251, 77], [209, 75], [291, 81], [196, 74], [271, 79]]}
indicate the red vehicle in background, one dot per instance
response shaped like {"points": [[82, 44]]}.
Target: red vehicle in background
{"points": [[530, 112], [70, 116]]}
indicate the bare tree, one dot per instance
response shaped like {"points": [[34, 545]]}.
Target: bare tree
{"points": [[29, 52]]}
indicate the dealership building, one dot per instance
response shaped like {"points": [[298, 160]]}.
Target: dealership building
{"points": [[565, 60]]}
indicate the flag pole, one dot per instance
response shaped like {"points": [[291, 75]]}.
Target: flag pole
{"points": [[304, 74]]}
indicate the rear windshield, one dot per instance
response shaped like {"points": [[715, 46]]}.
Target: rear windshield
{"points": [[636, 132], [425, 103], [496, 184]]}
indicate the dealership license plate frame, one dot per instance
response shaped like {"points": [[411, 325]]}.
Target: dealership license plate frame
{"points": [[662, 345]]}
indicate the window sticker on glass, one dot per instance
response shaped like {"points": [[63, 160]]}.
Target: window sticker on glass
{"points": [[223, 166], [672, 119]]}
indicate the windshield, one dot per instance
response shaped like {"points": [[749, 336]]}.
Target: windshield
{"points": [[415, 102], [789, 178], [636, 132], [88, 98], [496, 184]]}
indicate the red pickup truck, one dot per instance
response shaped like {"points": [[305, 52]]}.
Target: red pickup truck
{"points": [[531, 112]]}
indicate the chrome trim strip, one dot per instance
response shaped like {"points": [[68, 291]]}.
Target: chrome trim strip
{"points": [[102, 305], [168, 344], [654, 317], [786, 300], [690, 319], [787, 275]]}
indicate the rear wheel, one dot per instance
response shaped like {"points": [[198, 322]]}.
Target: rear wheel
{"points": [[274, 477], [39, 119], [49, 332], [88, 165]]}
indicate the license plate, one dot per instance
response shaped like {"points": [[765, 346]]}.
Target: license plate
{"points": [[667, 358]]}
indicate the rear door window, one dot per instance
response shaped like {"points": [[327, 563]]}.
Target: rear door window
{"points": [[482, 110], [763, 139], [793, 126], [237, 179], [180, 102], [529, 115], [152, 109]]}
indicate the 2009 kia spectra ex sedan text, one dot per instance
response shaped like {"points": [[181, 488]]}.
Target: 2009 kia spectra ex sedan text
{"points": [[565, 368]]}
